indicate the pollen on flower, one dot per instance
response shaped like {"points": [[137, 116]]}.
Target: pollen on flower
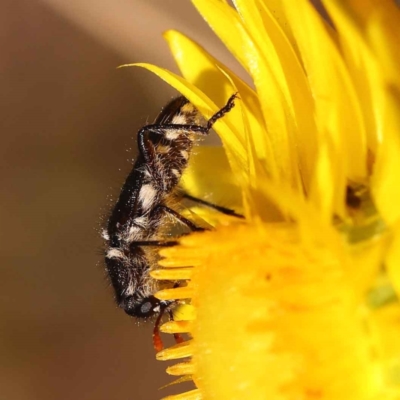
{"points": [[293, 310]]}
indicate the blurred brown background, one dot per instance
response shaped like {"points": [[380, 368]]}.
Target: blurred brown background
{"points": [[68, 123]]}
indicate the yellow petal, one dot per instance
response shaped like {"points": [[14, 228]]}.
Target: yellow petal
{"points": [[359, 60], [185, 292], [176, 327], [384, 31], [186, 368], [385, 181], [228, 26], [300, 98], [322, 191], [393, 260], [277, 10], [172, 274], [377, 27], [180, 350], [338, 115]]}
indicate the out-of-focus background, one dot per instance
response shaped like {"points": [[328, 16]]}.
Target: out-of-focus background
{"points": [[68, 124]]}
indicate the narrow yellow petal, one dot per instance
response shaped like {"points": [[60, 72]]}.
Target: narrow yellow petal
{"points": [[384, 30], [180, 350], [178, 262], [377, 26], [185, 292], [184, 378], [186, 368], [277, 9], [301, 101], [385, 180], [356, 54], [393, 260], [172, 274], [176, 327], [176, 258], [228, 26], [322, 190], [338, 115]]}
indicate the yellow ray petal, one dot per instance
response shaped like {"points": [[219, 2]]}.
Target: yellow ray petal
{"points": [[393, 260], [384, 30], [180, 350], [359, 60], [262, 39], [385, 181], [277, 9], [300, 99], [322, 190], [176, 327], [186, 368], [337, 112], [172, 274], [228, 26], [173, 294], [376, 25]]}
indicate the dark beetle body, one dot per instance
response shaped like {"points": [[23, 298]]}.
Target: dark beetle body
{"points": [[135, 224]]}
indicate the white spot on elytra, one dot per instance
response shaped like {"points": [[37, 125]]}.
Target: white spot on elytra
{"points": [[141, 221], [179, 120], [104, 234], [115, 253], [176, 172], [146, 196], [185, 154], [172, 134], [130, 290], [163, 149]]}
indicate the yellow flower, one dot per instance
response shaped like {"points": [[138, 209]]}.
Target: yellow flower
{"points": [[300, 300]]}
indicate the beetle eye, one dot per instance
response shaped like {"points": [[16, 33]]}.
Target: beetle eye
{"points": [[146, 307], [141, 308]]}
